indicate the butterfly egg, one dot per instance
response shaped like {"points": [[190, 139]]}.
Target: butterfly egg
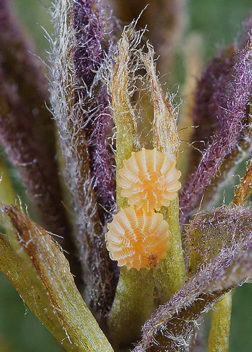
{"points": [[149, 179], [137, 238]]}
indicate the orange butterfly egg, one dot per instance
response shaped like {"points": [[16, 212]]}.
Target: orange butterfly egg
{"points": [[149, 179], [137, 238]]}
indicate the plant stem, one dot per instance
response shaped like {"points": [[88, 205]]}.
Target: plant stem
{"points": [[134, 295], [170, 275], [218, 340], [132, 305]]}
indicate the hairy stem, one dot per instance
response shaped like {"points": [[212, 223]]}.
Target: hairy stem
{"points": [[134, 296], [218, 340], [171, 272], [170, 275]]}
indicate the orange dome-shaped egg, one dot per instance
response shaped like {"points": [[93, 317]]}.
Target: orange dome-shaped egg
{"points": [[137, 238], [149, 179]]}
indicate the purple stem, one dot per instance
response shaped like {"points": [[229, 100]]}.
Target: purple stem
{"points": [[26, 125], [90, 34]]}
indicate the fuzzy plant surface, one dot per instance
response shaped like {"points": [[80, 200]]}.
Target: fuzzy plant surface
{"points": [[69, 138]]}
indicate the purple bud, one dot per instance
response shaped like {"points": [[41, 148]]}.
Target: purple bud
{"points": [[210, 100], [233, 117]]}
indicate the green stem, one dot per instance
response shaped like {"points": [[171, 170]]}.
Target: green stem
{"points": [[218, 340], [170, 275], [38, 269], [133, 301], [7, 193], [132, 305], [123, 113]]}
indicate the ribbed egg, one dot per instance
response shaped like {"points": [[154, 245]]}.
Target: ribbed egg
{"points": [[149, 179], [137, 238]]}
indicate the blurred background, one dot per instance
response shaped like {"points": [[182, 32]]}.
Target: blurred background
{"points": [[217, 23]]}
